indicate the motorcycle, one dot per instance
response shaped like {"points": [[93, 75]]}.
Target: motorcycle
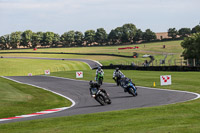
{"points": [[100, 96], [118, 78], [130, 88], [100, 78]]}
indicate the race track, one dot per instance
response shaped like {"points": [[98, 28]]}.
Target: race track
{"points": [[78, 91]]}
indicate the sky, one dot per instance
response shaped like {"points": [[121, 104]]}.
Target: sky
{"points": [[60, 16]]}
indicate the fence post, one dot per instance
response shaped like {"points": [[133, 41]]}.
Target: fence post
{"points": [[194, 62]]}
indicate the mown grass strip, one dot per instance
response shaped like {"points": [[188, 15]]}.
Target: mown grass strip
{"points": [[22, 67]]}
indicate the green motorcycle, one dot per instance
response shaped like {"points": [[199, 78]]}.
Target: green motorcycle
{"points": [[100, 78]]}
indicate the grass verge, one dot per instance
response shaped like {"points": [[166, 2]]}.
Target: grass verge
{"points": [[22, 67], [19, 99]]}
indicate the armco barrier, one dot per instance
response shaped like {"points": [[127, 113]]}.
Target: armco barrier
{"points": [[153, 68]]}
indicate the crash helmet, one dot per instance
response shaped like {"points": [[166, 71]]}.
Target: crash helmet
{"points": [[91, 82], [99, 68], [117, 69]]}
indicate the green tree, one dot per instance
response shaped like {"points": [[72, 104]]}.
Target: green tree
{"points": [[78, 38], [89, 36], [5, 42], [184, 32], [56, 40], [138, 35], [37, 39], [2, 42], [48, 38], [101, 36], [129, 31], [149, 35], [191, 47], [196, 29], [172, 32], [112, 37], [63, 39], [15, 39], [26, 38], [70, 38]]}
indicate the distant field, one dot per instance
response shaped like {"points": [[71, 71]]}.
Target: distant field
{"points": [[22, 67], [173, 49]]}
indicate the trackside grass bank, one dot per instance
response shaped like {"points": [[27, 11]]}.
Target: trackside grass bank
{"points": [[20, 99], [22, 67], [179, 118]]}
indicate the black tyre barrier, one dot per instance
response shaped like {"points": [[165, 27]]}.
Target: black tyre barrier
{"points": [[153, 68]]}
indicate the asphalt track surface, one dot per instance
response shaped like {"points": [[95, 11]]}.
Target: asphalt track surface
{"points": [[78, 91]]}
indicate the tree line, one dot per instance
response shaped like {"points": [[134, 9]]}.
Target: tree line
{"points": [[183, 32], [128, 33]]}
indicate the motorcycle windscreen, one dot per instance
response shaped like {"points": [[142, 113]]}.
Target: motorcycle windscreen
{"points": [[94, 91]]}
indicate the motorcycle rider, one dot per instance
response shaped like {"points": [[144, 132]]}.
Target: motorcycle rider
{"points": [[116, 73], [99, 70], [125, 82], [94, 87]]}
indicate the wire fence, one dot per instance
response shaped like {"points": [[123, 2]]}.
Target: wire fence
{"points": [[171, 62]]}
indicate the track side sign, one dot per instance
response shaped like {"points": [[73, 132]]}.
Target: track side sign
{"points": [[47, 72], [79, 74], [165, 80]]}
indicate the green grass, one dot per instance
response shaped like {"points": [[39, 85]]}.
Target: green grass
{"points": [[179, 118], [19, 99], [174, 118], [21, 67], [173, 48]]}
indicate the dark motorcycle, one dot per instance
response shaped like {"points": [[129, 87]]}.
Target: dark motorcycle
{"points": [[118, 78], [100, 78], [100, 96]]}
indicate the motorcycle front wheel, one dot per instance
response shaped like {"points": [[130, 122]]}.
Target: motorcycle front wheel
{"points": [[101, 100]]}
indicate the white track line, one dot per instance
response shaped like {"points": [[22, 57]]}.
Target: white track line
{"points": [[41, 112]]}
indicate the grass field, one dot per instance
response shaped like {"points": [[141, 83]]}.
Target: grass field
{"points": [[173, 50], [178, 118], [22, 67], [171, 47]]}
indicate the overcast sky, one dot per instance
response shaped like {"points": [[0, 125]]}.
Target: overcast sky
{"points": [[60, 16]]}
